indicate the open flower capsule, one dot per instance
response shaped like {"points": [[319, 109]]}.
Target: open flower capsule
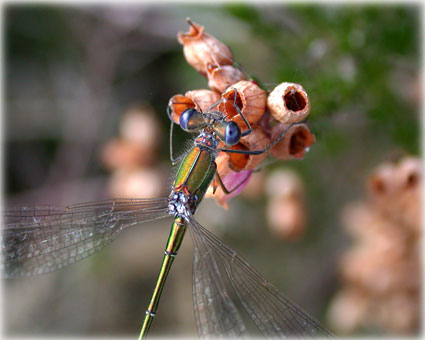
{"points": [[295, 142], [256, 140], [250, 99], [289, 103], [200, 100], [221, 77], [201, 48]]}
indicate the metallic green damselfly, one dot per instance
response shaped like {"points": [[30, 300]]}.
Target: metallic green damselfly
{"points": [[41, 239]]}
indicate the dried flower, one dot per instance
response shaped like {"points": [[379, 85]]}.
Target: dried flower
{"points": [[384, 263], [178, 104], [251, 100], [221, 77], [256, 140], [294, 144], [289, 103], [201, 100], [201, 48]]}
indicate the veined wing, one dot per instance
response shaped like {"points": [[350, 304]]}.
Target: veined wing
{"points": [[41, 239], [215, 313], [273, 314]]}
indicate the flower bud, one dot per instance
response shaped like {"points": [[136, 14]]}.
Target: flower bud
{"points": [[289, 103], [201, 48], [250, 99], [294, 144], [221, 77]]}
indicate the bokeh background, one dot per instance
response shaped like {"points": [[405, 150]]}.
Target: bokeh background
{"points": [[74, 75]]}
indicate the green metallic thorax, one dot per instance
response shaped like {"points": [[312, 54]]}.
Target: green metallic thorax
{"points": [[195, 173]]}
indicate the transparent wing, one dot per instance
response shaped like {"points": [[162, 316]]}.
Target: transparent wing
{"points": [[41, 239], [273, 314], [215, 313]]}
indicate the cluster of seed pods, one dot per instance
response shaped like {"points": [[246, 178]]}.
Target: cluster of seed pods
{"points": [[269, 114], [381, 271]]}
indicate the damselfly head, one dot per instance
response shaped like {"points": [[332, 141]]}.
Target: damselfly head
{"points": [[192, 120], [227, 132]]}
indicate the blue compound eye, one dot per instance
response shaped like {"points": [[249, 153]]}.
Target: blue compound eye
{"points": [[186, 117], [232, 134]]}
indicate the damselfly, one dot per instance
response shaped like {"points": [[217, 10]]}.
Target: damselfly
{"points": [[41, 239]]}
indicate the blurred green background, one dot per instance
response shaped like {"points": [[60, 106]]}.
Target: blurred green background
{"points": [[70, 74]]}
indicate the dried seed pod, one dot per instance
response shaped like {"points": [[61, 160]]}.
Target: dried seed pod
{"points": [[294, 144], [251, 100], [201, 48], [289, 103], [179, 103], [221, 77], [203, 99], [256, 140], [196, 99]]}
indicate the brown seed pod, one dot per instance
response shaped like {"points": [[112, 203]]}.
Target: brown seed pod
{"points": [[256, 140], [179, 103], [196, 99], [289, 103], [201, 48], [203, 99], [250, 98], [294, 144], [221, 77]]}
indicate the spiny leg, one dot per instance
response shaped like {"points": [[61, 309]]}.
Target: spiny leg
{"points": [[223, 186], [176, 160], [259, 152]]}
